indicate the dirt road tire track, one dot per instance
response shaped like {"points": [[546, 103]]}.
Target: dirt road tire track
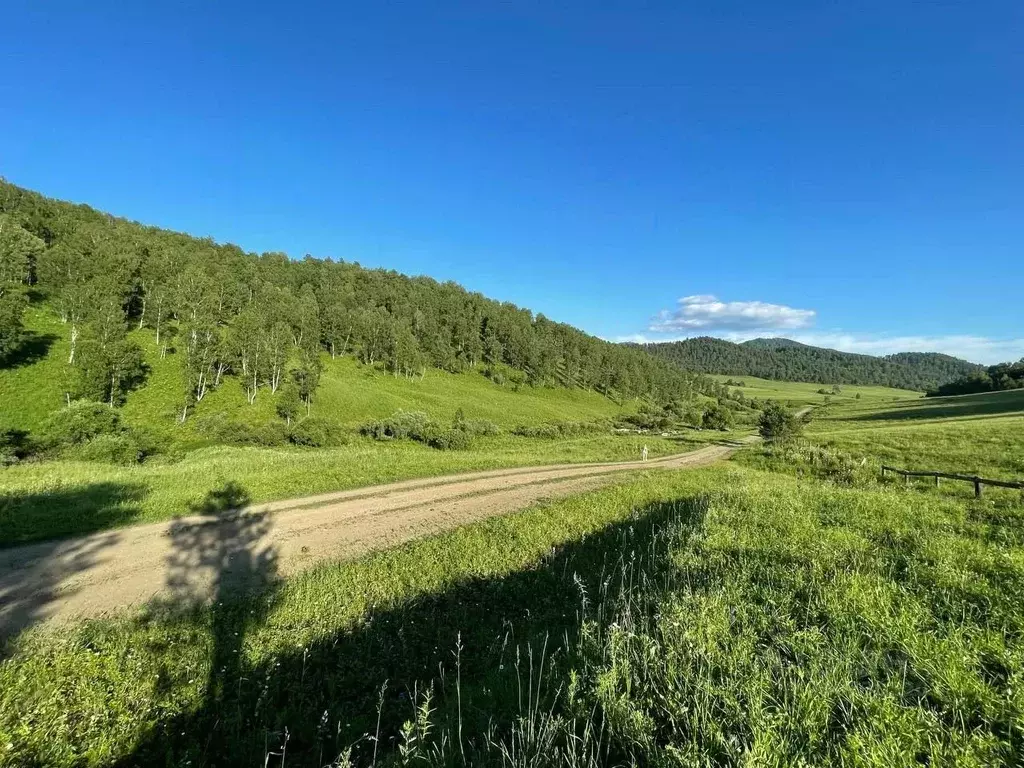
{"points": [[182, 560]]}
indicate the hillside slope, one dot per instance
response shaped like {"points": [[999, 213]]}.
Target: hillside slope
{"points": [[787, 360], [127, 295]]}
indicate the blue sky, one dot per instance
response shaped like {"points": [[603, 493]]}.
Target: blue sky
{"points": [[850, 174]]}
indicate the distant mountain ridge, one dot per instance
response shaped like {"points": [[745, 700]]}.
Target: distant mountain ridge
{"points": [[787, 360]]}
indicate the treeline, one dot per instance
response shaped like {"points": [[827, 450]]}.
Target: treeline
{"points": [[785, 360], [267, 319], [995, 378]]}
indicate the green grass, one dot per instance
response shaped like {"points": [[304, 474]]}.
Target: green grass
{"points": [[969, 434], [350, 394], [723, 616], [804, 393], [57, 498], [42, 500]]}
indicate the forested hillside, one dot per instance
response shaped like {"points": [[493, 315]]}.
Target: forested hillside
{"points": [[995, 378], [268, 320], [786, 360]]}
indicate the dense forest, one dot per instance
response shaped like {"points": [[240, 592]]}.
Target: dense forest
{"points": [[269, 320], [786, 360], [995, 378]]}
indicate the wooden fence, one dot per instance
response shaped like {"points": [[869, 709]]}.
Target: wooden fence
{"points": [[978, 481]]}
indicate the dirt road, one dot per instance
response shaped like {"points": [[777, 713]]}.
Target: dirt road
{"points": [[194, 558]]}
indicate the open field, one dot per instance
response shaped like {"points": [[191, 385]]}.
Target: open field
{"points": [[785, 609], [93, 575], [43, 500], [804, 393], [741, 616], [971, 434]]}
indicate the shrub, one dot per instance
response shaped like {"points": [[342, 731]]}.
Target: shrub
{"points": [[14, 446], [561, 429], [480, 427], [824, 462], [450, 439], [110, 449], [222, 430], [776, 424], [78, 423], [717, 417], [317, 433], [412, 425]]}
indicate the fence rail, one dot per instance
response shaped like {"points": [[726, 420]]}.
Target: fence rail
{"points": [[978, 481]]}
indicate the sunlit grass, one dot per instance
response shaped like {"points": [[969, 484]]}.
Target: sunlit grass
{"points": [[722, 616]]}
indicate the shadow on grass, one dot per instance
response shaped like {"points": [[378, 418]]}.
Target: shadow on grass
{"points": [[28, 517], [33, 348], [469, 643], [33, 578], [987, 404], [220, 563]]}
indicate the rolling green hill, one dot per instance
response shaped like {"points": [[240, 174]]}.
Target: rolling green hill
{"points": [[787, 360]]}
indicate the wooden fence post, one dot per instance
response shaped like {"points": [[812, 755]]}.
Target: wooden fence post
{"points": [[936, 481], [977, 487]]}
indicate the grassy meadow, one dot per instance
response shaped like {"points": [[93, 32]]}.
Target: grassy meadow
{"points": [[725, 616], [785, 608], [798, 393], [968, 434]]}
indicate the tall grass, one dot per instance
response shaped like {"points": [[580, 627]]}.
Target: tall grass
{"points": [[726, 616]]}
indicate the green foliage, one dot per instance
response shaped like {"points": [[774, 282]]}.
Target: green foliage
{"points": [[314, 432], [777, 424], [289, 402], [411, 425], [478, 427], [784, 360], [717, 416], [12, 308], [452, 439], [560, 429], [79, 423], [996, 378], [219, 429], [120, 448], [229, 313]]}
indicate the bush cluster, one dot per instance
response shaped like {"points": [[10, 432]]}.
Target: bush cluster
{"points": [[220, 429], [418, 426], [824, 462], [561, 429], [777, 424], [92, 431], [717, 416], [315, 432]]}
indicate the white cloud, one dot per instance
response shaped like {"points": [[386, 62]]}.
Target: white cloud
{"points": [[706, 312], [737, 321], [979, 349]]}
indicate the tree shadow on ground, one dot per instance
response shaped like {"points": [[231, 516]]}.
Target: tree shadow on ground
{"points": [[32, 348], [987, 404], [28, 517], [221, 573], [478, 644], [32, 578]]}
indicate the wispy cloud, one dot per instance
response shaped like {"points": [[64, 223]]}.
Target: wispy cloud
{"points": [[706, 312]]}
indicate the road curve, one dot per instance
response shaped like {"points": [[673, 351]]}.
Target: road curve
{"points": [[194, 558]]}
